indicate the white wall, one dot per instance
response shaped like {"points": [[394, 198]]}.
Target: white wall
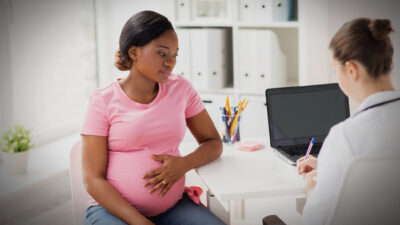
{"points": [[319, 21], [6, 110], [52, 64]]}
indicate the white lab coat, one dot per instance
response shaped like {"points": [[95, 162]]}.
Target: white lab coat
{"points": [[374, 131]]}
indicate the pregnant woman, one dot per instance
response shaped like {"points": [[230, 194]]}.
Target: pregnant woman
{"points": [[133, 127]]}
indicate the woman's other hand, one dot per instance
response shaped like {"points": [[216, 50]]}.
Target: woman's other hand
{"points": [[164, 177], [305, 166]]}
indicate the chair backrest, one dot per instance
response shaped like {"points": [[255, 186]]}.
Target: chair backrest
{"points": [[80, 196], [369, 192]]}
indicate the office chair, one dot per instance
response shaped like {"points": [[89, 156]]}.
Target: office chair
{"points": [[80, 196], [369, 193]]}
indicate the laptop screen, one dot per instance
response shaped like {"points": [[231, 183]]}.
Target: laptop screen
{"points": [[296, 114]]}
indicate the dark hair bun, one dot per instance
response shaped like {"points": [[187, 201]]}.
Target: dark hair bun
{"points": [[380, 28], [120, 63]]}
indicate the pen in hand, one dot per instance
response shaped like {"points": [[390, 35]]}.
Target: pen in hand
{"points": [[309, 148], [302, 171]]}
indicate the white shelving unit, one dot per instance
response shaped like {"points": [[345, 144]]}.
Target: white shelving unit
{"points": [[253, 123], [287, 33], [287, 36], [271, 25]]}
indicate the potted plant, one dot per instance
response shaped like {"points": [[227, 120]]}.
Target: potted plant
{"points": [[14, 145]]}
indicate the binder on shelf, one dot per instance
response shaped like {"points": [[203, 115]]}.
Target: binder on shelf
{"points": [[270, 61], [262, 62], [245, 55], [199, 57], [217, 62], [281, 10], [263, 55], [246, 10], [182, 66], [263, 11], [183, 10], [279, 62], [209, 58]]}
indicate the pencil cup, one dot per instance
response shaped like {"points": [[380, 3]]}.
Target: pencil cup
{"points": [[230, 129]]}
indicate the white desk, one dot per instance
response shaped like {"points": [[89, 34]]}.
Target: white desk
{"points": [[238, 175]]}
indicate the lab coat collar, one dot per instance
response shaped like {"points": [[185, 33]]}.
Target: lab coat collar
{"points": [[378, 98]]}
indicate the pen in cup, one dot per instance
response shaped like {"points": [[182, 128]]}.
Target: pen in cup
{"points": [[225, 120]]}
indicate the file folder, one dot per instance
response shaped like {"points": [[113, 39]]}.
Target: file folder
{"points": [[263, 11], [278, 69], [183, 9], [182, 66], [270, 61], [209, 57], [281, 10], [262, 62], [246, 55], [218, 58], [199, 57], [246, 10]]}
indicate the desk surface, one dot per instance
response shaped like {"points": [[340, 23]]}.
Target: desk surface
{"points": [[240, 175]]}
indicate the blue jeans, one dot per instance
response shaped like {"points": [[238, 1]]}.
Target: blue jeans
{"points": [[184, 212]]}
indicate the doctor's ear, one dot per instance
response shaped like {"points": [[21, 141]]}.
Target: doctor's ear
{"points": [[352, 70]]}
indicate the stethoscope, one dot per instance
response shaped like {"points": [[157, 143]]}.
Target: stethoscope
{"points": [[377, 105]]}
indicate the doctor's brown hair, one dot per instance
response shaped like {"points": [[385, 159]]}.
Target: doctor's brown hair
{"points": [[139, 30], [366, 41]]}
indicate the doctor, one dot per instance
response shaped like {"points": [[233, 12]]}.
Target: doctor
{"points": [[361, 56]]}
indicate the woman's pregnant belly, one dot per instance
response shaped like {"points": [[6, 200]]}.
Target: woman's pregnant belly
{"points": [[125, 172]]}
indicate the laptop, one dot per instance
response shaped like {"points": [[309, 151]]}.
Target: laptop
{"points": [[297, 114]]}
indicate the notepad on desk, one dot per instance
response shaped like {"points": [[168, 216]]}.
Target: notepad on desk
{"points": [[250, 145]]}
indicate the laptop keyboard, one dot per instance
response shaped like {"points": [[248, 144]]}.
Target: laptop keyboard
{"points": [[301, 150]]}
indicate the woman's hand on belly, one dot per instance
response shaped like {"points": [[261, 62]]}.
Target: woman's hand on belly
{"points": [[173, 168]]}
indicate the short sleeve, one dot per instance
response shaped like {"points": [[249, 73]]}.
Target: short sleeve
{"points": [[194, 104], [96, 120]]}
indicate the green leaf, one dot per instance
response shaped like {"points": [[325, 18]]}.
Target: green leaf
{"points": [[16, 139]]}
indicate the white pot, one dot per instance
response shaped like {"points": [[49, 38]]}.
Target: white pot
{"points": [[15, 162]]}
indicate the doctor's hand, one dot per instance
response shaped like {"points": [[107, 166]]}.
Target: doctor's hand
{"points": [[165, 176], [310, 179], [305, 166]]}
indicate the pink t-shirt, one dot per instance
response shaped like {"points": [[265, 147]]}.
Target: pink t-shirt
{"points": [[135, 131]]}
